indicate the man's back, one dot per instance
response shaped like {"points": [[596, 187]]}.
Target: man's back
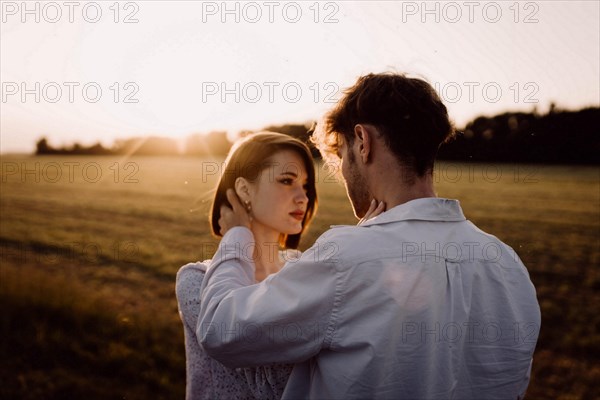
{"points": [[431, 308], [416, 303]]}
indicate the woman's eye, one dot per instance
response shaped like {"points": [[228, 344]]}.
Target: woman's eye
{"points": [[286, 181]]}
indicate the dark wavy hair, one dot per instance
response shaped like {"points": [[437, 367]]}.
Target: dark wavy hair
{"points": [[406, 111], [247, 158]]}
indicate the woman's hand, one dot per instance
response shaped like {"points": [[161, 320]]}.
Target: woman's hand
{"points": [[376, 208], [238, 216]]}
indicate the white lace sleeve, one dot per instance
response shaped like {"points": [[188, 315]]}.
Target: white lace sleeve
{"points": [[206, 377]]}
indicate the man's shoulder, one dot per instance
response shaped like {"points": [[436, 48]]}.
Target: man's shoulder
{"points": [[350, 242], [341, 234], [355, 243], [485, 238]]}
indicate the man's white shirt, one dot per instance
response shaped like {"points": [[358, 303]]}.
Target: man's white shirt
{"points": [[416, 303]]}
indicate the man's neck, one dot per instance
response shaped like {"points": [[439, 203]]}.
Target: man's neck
{"points": [[394, 186]]}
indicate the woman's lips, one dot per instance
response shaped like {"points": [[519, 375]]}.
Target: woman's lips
{"points": [[299, 215]]}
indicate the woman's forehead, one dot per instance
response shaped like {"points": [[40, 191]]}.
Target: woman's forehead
{"points": [[288, 162]]}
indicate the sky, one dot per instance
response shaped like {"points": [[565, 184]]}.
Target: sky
{"points": [[98, 71]]}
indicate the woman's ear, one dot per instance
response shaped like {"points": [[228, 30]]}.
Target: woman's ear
{"points": [[242, 188]]}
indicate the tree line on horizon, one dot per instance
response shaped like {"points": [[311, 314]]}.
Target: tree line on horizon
{"points": [[558, 136]]}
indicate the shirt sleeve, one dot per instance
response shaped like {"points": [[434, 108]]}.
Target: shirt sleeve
{"points": [[289, 317]]}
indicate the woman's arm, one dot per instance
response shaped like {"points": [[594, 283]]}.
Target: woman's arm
{"points": [[187, 289], [264, 382]]}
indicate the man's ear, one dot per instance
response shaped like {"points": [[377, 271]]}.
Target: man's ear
{"points": [[242, 188], [364, 139]]}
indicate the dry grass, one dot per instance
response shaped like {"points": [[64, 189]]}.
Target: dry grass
{"points": [[87, 306]]}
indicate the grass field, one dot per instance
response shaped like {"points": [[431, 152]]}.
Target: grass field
{"points": [[89, 248]]}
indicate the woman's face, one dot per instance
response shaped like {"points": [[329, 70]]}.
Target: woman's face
{"points": [[278, 197]]}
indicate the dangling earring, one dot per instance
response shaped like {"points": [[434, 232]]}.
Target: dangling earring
{"points": [[248, 208]]}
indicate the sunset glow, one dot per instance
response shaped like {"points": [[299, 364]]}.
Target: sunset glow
{"points": [[178, 68]]}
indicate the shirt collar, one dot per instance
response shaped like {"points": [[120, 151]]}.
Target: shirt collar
{"points": [[424, 209]]}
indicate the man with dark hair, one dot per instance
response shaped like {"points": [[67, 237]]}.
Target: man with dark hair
{"points": [[407, 112], [415, 303]]}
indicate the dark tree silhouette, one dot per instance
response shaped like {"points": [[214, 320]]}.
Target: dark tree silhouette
{"points": [[42, 147], [557, 137]]}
